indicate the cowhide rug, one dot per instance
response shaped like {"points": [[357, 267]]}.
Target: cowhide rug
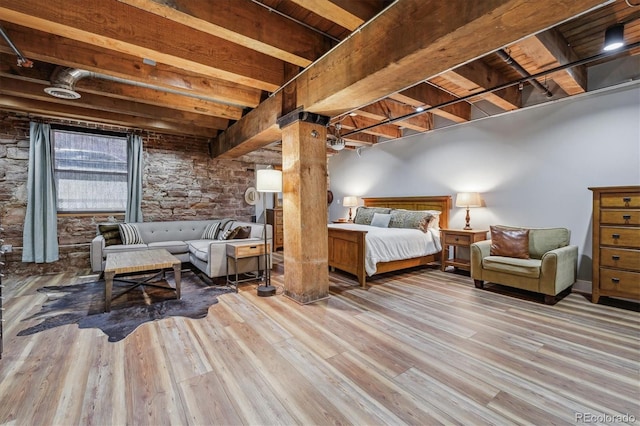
{"points": [[83, 304]]}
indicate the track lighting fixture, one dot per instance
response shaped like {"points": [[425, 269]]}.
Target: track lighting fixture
{"points": [[614, 37]]}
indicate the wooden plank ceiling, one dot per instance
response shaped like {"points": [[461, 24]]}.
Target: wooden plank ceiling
{"points": [[225, 70]]}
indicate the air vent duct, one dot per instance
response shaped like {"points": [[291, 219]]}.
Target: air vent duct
{"points": [[63, 82]]}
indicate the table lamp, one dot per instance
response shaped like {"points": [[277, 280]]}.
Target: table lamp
{"points": [[468, 199], [350, 202]]}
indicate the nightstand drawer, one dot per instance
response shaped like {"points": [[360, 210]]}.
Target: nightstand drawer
{"points": [[620, 217], [620, 258], [622, 281], [457, 239], [245, 250], [621, 199], [619, 236]]}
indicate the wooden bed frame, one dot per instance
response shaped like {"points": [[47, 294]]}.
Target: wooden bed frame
{"points": [[347, 247]]}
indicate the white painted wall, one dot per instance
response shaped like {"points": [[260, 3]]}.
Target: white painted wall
{"points": [[532, 167]]}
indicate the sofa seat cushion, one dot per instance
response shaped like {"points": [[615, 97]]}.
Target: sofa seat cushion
{"points": [[200, 249], [529, 268], [173, 247], [123, 247]]}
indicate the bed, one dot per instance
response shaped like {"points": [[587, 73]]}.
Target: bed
{"points": [[348, 242]]}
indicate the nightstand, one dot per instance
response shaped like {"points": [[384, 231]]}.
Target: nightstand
{"points": [[250, 250], [458, 238]]}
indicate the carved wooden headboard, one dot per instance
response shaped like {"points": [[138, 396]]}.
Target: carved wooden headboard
{"points": [[437, 202]]}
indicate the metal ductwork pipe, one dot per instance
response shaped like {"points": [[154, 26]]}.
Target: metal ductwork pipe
{"points": [[516, 66], [63, 82]]}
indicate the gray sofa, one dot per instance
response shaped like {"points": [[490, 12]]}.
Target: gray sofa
{"points": [[184, 240]]}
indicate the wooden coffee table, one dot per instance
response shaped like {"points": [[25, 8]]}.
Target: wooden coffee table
{"points": [[138, 261]]}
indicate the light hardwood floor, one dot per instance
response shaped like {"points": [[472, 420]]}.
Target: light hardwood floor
{"points": [[422, 347]]}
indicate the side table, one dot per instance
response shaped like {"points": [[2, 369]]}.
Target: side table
{"points": [[248, 250], [458, 238]]}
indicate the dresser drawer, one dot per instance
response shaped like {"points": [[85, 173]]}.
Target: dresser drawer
{"points": [[279, 214], [620, 258], [620, 281], [620, 199], [618, 236], [457, 239], [620, 217]]}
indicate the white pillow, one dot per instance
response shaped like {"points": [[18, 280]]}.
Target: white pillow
{"points": [[381, 220], [129, 234]]}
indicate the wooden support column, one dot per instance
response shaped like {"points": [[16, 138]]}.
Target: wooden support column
{"points": [[304, 174]]}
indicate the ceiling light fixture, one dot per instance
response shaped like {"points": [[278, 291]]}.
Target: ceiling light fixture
{"points": [[614, 37], [419, 109]]}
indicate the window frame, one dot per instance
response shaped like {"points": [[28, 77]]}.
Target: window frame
{"points": [[121, 137]]}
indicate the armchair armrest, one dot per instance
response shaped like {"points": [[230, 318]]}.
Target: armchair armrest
{"points": [[479, 251], [558, 269]]}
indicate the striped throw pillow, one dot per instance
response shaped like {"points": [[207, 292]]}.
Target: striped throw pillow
{"points": [[211, 231], [129, 234]]}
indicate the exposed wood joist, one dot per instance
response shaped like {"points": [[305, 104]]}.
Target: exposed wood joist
{"points": [[549, 50], [35, 91], [388, 109], [117, 26], [52, 110], [246, 24], [410, 42], [426, 95], [384, 130], [331, 10], [42, 46]]}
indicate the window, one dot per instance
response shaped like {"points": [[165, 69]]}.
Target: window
{"points": [[90, 172]]}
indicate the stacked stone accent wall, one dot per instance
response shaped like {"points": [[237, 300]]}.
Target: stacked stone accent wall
{"points": [[180, 182]]}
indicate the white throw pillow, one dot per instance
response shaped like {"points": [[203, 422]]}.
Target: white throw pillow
{"points": [[129, 234], [381, 220]]}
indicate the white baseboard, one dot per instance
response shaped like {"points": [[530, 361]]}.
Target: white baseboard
{"points": [[582, 286]]}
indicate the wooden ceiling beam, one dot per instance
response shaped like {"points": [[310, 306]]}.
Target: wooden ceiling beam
{"points": [[476, 76], [427, 96], [341, 15], [52, 110], [41, 46], [414, 40], [126, 29], [360, 139], [548, 50], [90, 101], [388, 109], [359, 122], [245, 23], [255, 130]]}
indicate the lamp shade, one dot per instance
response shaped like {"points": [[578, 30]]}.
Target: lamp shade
{"points": [[468, 199], [350, 201], [614, 37], [269, 180]]}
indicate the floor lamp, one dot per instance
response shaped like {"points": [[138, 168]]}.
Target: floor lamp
{"points": [[267, 180]]}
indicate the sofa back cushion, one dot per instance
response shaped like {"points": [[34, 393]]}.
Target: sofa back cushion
{"points": [[179, 230], [541, 240]]}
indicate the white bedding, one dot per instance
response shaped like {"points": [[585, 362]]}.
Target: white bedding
{"points": [[387, 244]]}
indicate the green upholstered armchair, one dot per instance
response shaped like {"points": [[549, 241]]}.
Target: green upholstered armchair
{"points": [[551, 268]]}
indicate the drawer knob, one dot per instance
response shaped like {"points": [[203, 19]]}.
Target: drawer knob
{"points": [[615, 236], [626, 199], [615, 280], [614, 257], [626, 217], [457, 238]]}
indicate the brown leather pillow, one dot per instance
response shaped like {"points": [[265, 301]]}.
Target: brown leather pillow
{"points": [[509, 242], [242, 233]]}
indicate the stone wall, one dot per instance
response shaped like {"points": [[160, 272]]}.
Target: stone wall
{"points": [[180, 182]]}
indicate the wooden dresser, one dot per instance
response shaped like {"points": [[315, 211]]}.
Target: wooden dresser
{"points": [[274, 218], [616, 242]]}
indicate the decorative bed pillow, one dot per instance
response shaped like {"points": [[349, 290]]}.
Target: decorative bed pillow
{"points": [[509, 242], [111, 233], [238, 233], [412, 219], [364, 215], [129, 233], [435, 221], [381, 220], [211, 231]]}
